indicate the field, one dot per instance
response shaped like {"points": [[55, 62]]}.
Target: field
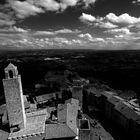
{"points": [[118, 69]]}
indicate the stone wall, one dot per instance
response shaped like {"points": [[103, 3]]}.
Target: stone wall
{"points": [[14, 101]]}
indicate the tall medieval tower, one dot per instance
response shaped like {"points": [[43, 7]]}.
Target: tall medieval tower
{"points": [[14, 98], [77, 93]]}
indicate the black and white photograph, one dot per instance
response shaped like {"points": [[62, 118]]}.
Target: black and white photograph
{"points": [[69, 69]]}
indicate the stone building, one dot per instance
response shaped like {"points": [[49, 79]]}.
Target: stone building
{"points": [[14, 98], [34, 124], [77, 93], [68, 112], [84, 129]]}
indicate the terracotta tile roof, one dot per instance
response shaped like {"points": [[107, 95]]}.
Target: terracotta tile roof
{"points": [[114, 100], [108, 95], [95, 92], [58, 131], [128, 112], [43, 98]]}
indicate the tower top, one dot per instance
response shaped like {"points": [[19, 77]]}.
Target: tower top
{"points": [[10, 67], [11, 71]]}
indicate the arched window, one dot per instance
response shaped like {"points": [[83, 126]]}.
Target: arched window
{"points": [[10, 74]]}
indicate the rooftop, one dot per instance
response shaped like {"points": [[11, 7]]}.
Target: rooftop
{"points": [[114, 100], [58, 131], [10, 66], [72, 100], [107, 94], [127, 111], [35, 126], [46, 97]]}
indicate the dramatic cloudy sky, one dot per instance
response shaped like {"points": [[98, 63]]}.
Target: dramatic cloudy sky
{"points": [[86, 24]]}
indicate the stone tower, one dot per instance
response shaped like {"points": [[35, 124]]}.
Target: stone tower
{"points": [[14, 98], [84, 129], [77, 93]]}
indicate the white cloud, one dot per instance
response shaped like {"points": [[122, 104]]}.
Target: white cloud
{"points": [[87, 18], [96, 21], [13, 29], [17, 29], [106, 25], [61, 5], [119, 31], [135, 26], [44, 33], [62, 31], [61, 40], [69, 2], [25, 8], [67, 31], [118, 42], [23, 40], [98, 39], [28, 8], [49, 5], [122, 19], [129, 37], [77, 41], [119, 36], [87, 2], [124, 39], [90, 38], [6, 22], [111, 20], [6, 18], [136, 2], [86, 36]]}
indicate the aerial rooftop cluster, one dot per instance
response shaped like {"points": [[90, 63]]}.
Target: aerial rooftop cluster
{"points": [[62, 114], [49, 116]]}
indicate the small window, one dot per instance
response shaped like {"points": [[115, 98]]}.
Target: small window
{"points": [[11, 74]]}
